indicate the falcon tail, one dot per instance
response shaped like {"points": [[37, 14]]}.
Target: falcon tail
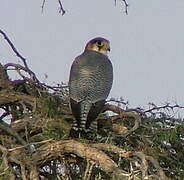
{"points": [[85, 114]]}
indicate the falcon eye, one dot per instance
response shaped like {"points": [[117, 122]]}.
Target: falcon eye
{"points": [[99, 43]]}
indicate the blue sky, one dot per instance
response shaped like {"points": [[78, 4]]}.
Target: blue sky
{"points": [[147, 46]]}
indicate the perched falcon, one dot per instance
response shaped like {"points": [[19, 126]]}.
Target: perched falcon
{"points": [[90, 82]]}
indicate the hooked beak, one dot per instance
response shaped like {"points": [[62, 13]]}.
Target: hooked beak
{"points": [[108, 48]]}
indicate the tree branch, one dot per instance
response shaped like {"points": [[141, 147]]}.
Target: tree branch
{"points": [[18, 55], [112, 148], [61, 9], [14, 49], [56, 148], [124, 114], [43, 4]]}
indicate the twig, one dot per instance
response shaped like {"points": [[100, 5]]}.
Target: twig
{"points": [[126, 6], [14, 49], [167, 106], [121, 101], [43, 4], [20, 67], [61, 9], [88, 170], [18, 55]]}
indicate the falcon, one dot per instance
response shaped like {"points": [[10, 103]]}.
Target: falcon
{"points": [[90, 82]]}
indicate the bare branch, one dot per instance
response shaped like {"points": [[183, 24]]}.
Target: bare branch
{"points": [[124, 114], [126, 6], [167, 106], [19, 67], [18, 55], [61, 9], [43, 4], [14, 49]]}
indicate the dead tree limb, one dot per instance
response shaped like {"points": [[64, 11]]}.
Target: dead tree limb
{"points": [[113, 149], [123, 114], [51, 150], [18, 54]]}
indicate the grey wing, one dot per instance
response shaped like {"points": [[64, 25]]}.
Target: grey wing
{"points": [[91, 76], [77, 85], [103, 81]]}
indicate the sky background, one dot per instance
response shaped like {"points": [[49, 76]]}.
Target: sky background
{"points": [[147, 45]]}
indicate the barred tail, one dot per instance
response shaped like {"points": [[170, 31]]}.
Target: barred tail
{"points": [[74, 124], [85, 108], [94, 126]]}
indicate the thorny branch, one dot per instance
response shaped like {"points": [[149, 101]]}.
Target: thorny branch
{"points": [[25, 68], [125, 4], [143, 112], [166, 106], [61, 8], [136, 114]]}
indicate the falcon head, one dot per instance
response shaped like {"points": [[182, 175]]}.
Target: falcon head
{"points": [[98, 44]]}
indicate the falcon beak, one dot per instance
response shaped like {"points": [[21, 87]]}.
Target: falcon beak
{"points": [[109, 49]]}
